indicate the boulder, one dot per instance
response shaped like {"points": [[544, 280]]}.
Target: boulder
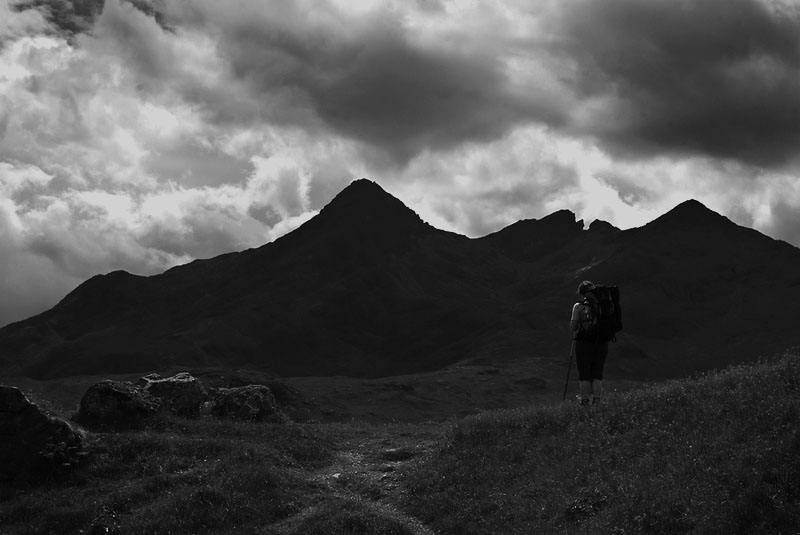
{"points": [[33, 442], [182, 393], [252, 402], [116, 404]]}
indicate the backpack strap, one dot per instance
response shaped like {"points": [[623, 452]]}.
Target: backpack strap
{"points": [[588, 317]]}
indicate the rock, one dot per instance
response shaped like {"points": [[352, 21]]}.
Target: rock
{"points": [[252, 402], [32, 442], [143, 382], [116, 404], [181, 393], [398, 454]]}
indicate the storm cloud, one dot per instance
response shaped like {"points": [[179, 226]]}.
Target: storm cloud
{"points": [[711, 77], [718, 78], [368, 77]]}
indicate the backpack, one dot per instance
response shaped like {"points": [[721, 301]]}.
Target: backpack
{"points": [[604, 318]]}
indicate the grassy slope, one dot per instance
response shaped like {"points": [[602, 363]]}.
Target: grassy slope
{"points": [[202, 476], [715, 454]]}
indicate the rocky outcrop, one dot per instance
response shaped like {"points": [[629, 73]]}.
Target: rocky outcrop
{"points": [[121, 405], [117, 404], [32, 442], [182, 393], [249, 403]]}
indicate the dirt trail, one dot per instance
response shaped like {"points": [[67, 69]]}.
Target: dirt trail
{"points": [[368, 467]]}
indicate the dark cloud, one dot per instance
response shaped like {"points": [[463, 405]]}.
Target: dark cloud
{"points": [[628, 188], [67, 16], [719, 78], [71, 17], [139, 42], [367, 79], [716, 77], [404, 99]]}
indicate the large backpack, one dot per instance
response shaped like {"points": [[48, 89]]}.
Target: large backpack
{"points": [[605, 314]]}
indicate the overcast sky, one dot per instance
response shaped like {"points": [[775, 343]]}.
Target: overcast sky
{"points": [[140, 135]]}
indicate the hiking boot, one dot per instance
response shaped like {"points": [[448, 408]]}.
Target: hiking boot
{"points": [[596, 401], [584, 402]]}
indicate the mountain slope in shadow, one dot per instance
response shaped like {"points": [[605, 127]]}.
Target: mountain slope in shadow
{"points": [[366, 288]]}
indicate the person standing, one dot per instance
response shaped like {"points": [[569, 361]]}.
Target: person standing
{"points": [[590, 347]]}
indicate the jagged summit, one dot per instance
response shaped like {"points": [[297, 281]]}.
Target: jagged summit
{"points": [[561, 221], [561, 218], [531, 237], [599, 225]]}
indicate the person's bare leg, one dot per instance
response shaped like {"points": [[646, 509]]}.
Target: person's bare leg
{"points": [[597, 390], [585, 392]]}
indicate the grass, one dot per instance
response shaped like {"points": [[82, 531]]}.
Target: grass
{"points": [[351, 517], [184, 476], [714, 454]]}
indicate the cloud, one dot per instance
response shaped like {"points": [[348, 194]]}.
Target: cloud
{"points": [[16, 21], [50, 243], [714, 77], [146, 134], [368, 77], [786, 221]]}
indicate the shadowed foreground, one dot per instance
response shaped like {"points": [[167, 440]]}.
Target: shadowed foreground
{"points": [[716, 454]]}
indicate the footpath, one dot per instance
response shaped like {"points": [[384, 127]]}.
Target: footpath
{"points": [[368, 468]]}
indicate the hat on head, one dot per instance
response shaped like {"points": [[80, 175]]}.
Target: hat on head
{"points": [[585, 286]]}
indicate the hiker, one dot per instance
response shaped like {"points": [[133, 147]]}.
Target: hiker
{"points": [[590, 348]]}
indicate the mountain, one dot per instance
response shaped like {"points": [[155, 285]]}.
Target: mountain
{"points": [[366, 288]]}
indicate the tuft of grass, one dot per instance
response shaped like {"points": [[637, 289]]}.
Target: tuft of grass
{"points": [[351, 517], [718, 453]]}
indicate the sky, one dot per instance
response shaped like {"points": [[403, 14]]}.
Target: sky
{"points": [[142, 134]]}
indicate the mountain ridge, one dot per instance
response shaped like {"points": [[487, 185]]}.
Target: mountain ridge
{"points": [[366, 288]]}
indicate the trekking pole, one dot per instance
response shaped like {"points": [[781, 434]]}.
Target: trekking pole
{"points": [[569, 369]]}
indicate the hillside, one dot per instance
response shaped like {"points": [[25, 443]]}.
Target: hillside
{"points": [[716, 454], [366, 288]]}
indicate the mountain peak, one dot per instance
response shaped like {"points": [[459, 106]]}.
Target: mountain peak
{"points": [[364, 195], [365, 204], [362, 188], [692, 207], [561, 217], [690, 213], [599, 225]]}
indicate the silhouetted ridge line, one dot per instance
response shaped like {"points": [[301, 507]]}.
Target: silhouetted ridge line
{"points": [[537, 236], [367, 288]]}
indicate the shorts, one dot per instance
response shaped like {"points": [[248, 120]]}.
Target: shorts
{"points": [[591, 357]]}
